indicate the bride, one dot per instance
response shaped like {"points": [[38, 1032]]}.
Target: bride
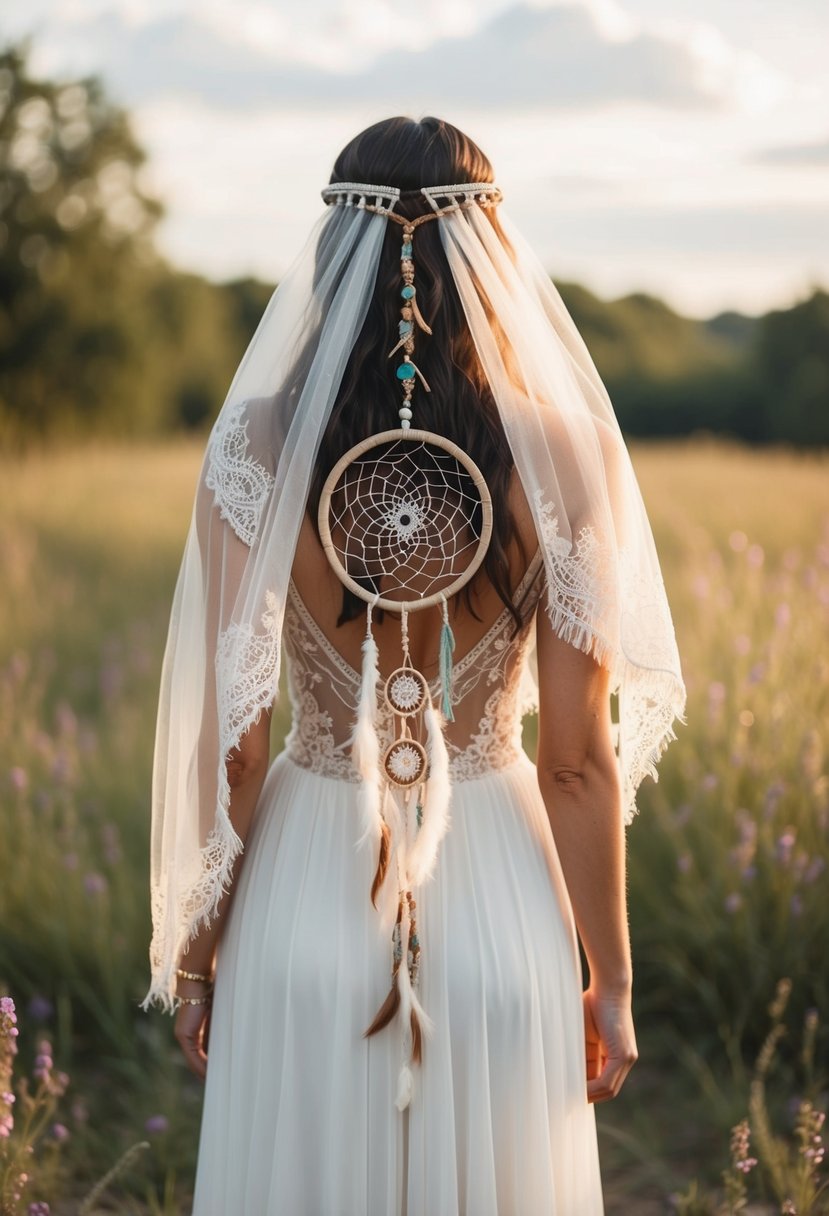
{"points": [[417, 490]]}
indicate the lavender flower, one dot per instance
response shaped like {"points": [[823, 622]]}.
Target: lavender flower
{"points": [[8, 1050], [809, 1125], [40, 1009], [95, 884], [18, 779], [43, 1061], [740, 1136], [785, 844], [156, 1125]]}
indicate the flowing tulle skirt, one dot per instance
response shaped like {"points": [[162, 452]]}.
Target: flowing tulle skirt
{"points": [[299, 1115]]}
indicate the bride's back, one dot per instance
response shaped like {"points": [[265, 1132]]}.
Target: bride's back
{"points": [[325, 657]]}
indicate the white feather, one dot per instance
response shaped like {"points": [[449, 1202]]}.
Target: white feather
{"points": [[405, 1084], [365, 748], [423, 854], [408, 997]]}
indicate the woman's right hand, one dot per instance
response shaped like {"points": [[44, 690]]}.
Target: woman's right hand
{"points": [[610, 1042], [192, 1030]]}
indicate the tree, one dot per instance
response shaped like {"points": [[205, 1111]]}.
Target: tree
{"points": [[75, 238], [793, 368]]}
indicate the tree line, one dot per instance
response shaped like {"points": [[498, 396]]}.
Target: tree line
{"points": [[99, 335]]}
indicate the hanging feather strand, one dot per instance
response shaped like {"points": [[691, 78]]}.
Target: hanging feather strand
{"points": [[421, 861], [365, 747]]}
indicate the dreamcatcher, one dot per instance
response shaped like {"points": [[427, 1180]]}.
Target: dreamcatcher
{"points": [[405, 519]]}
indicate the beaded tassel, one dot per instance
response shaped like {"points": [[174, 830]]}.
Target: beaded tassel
{"points": [[447, 649], [410, 316]]}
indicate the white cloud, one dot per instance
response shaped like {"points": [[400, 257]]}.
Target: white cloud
{"points": [[628, 142], [253, 56], [815, 152]]}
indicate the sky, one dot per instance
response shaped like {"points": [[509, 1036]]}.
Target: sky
{"points": [[678, 147]]}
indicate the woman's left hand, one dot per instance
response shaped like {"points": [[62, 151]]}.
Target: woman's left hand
{"points": [[192, 1032]]}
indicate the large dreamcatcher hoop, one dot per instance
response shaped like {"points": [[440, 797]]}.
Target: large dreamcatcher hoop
{"points": [[405, 520], [392, 511]]}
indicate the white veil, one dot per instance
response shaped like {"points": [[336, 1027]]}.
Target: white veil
{"points": [[222, 662]]}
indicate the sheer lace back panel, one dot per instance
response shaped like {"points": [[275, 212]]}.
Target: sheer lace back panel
{"points": [[489, 695]]}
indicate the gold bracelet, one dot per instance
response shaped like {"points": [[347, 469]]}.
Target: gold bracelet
{"points": [[193, 975], [193, 1000]]}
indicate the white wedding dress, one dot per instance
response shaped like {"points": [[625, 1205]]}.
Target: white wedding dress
{"points": [[299, 1113]]}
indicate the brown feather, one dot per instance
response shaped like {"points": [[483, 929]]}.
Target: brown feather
{"points": [[382, 862], [386, 1011], [417, 1039]]}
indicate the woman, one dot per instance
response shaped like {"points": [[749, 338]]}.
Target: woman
{"points": [[309, 1105]]}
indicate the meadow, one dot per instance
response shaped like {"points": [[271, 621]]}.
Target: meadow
{"points": [[728, 858]]}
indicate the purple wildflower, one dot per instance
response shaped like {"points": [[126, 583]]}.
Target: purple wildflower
{"points": [[95, 884], [782, 615], [8, 1050], [740, 1136], [814, 869], [156, 1125], [38, 1209], [18, 779], [785, 844], [112, 844], [40, 1009], [60, 1132], [43, 1061]]}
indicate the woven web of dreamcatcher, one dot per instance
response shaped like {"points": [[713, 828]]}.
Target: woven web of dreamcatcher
{"points": [[406, 521]]}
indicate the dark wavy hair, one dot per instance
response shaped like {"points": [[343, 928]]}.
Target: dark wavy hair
{"points": [[407, 154]]}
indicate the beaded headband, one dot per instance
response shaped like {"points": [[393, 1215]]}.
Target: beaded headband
{"points": [[383, 200], [357, 194]]}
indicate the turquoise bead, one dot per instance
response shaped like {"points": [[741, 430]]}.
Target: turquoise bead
{"points": [[407, 292], [405, 372], [406, 250], [405, 327]]}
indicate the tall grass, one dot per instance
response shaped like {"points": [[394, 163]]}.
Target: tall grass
{"points": [[728, 859]]}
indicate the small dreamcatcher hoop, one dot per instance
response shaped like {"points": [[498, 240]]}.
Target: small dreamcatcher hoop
{"points": [[405, 520]]}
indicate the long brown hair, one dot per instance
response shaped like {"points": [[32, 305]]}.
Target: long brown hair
{"points": [[406, 154]]}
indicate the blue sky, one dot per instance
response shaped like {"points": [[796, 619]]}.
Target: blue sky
{"points": [[680, 148]]}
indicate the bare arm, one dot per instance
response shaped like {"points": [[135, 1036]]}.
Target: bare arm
{"points": [[246, 772], [578, 778]]}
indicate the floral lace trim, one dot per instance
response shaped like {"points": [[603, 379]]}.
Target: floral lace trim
{"points": [[583, 602], [240, 484], [247, 672], [497, 742], [311, 742], [577, 597]]}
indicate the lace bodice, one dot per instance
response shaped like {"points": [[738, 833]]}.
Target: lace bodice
{"points": [[490, 694]]}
